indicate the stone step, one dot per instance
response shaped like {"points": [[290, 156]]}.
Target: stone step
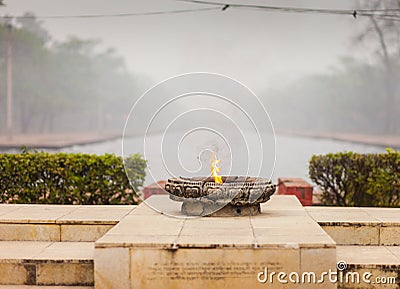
{"points": [[381, 264], [65, 223], [359, 226], [46, 263]]}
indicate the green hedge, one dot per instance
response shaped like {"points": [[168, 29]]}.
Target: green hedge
{"points": [[352, 179], [62, 178]]}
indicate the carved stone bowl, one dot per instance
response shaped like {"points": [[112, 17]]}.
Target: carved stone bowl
{"points": [[236, 196]]}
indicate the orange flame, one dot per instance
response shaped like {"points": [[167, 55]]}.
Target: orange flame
{"points": [[215, 169]]}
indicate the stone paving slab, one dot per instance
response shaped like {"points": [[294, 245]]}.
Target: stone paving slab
{"points": [[35, 213], [387, 216], [96, 215], [6, 208], [61, 214], [368, 255], [67, 251], [281, 202], [46, 263], [334, 215], [11, 250], [25, 250], [395, 250], [362, 215]]}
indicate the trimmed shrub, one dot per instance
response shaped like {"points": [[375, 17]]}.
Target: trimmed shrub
{"points": [[63, 178], [352, 179]]}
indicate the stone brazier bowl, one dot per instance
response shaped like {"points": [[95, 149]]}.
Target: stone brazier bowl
{"points": [[236, 196]]}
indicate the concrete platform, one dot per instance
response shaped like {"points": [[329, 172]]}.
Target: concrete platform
{"points": [[150, 250], [359, 226], [139, 248]]}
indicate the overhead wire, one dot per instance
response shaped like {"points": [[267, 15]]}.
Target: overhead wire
{"points": [[385, 14], [132, 14]]}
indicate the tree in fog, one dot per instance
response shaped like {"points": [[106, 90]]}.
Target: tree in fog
{"points": [[29, 23], [69, 85], [385, 32], [344, 99], [353, 97]]}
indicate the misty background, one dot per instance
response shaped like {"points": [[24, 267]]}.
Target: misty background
{"points": [[312, 72]]}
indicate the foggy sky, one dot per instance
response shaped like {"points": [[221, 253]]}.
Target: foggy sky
{"points": [[257, 48]]}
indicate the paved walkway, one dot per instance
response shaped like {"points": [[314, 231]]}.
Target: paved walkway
{"points": [[53, 141], [392, 141]]}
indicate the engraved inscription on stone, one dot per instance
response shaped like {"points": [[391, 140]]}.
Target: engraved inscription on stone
{"points": [[213, 271]]}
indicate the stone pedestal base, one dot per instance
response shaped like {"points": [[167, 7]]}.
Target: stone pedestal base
{"points": [[196, 208]]}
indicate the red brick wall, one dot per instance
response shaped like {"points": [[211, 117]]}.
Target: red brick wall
{"points": [[298, 187], [155, 189]]}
